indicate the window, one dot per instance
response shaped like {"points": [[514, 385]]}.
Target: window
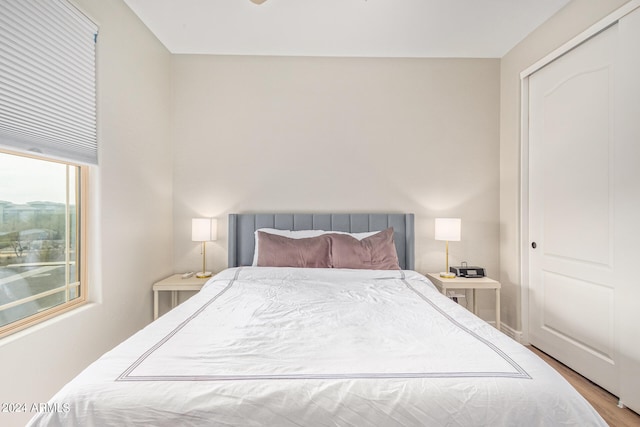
{"points": [[47, 137], [42, 258]]}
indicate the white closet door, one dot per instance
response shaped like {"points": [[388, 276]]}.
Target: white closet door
{"points": [[571, 209], [627, 209]]}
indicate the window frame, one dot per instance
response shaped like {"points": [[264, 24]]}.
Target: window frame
{"points": [[81, 255]]}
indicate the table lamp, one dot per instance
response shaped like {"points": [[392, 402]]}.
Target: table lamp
{"points": [[448, 229], [204, 230]]}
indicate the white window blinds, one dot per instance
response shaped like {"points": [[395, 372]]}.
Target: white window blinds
{"points": [[47, 79]]}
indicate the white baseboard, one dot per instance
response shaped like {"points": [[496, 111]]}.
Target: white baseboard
{"points": [[510, 332]]}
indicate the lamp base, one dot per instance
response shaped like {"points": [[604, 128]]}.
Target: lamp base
{"points": [[447, 275], [203, 274]]}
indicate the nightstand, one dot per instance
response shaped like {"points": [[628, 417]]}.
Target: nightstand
{"points": [[468, 283], [175, 284]]}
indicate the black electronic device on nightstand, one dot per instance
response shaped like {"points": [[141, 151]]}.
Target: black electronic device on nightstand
{"points": [[466, 271]]}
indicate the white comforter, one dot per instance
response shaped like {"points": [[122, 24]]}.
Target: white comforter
{"points": [[316, 347]]}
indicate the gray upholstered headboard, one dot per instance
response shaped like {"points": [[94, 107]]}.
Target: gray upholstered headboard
{"points": [[243, 226]]}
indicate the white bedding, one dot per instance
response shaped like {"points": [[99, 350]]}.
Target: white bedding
{"points": [[319, 347]]}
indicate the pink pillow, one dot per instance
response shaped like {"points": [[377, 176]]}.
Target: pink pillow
{"points": [[280, 251], [377, 252]]}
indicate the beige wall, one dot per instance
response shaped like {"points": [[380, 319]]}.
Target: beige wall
{"points": [[131, 216], [258, 134], [562, 27]]}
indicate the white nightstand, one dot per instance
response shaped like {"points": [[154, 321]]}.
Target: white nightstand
{"points": [[468, 283], [175, 284]]}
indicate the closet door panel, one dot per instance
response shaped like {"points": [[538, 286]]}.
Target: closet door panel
{"points": [[571, 209]]}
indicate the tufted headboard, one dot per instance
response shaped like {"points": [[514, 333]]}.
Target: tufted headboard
{"points": [[243, 226]]}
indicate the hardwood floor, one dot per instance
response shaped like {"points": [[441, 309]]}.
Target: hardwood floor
{"points": [[604, 402]]}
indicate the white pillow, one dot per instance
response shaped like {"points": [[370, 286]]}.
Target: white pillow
{"points": [[301, 234], [358, 236]]}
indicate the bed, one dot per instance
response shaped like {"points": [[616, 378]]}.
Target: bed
{"points": [[298, 346]]}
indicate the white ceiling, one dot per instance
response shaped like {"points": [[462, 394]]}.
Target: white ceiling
{"points": [[359, 28]]}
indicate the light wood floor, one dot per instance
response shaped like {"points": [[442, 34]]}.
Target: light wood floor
{"points": [[604, 402]]}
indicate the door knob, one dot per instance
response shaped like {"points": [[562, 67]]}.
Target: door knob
{"points": [[534, 245]]}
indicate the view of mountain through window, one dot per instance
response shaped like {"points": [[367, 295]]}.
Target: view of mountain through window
{"points": [[38, 236]]}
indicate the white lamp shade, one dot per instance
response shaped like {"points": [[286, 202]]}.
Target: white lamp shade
{"points": [[448, 229], [204, 229]]}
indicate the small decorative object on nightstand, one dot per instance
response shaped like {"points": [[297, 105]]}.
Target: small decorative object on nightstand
{"points": [[444, 284], [175, 284], [204, 230], [448, 229]]}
